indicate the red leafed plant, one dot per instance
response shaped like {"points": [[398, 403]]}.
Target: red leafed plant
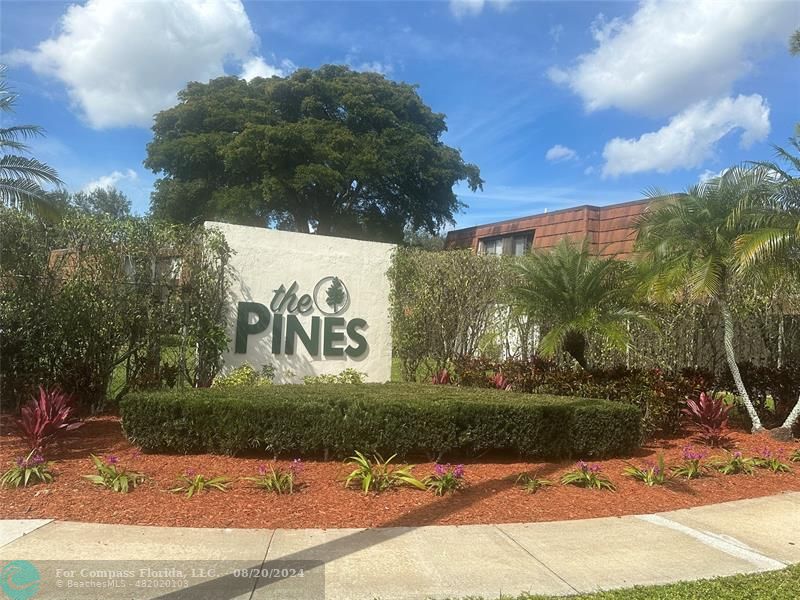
{"points": [[500, 382], [709, 415], [47, 415], [442, 378]]}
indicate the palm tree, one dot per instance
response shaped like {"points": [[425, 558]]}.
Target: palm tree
{"points": [[773, 217], [577, 295], [687, 244], [21, 177]]}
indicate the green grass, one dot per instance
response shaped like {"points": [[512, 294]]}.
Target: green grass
{"points": [[775, 585]]}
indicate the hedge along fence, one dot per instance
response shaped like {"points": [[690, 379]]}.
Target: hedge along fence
{"points": [[388, 418], [449, 304]]}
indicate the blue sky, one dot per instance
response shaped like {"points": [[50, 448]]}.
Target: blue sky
{"points": [[558, 103]]}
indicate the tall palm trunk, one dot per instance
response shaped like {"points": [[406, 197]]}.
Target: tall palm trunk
{"points": [[727, 321], [793, 416]]}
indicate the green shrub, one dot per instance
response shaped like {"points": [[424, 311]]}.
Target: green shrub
{"points": [[351, 376], [377, 418], [245, 375]]}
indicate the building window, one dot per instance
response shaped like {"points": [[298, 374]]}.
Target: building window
{"points": [[515, 244]]}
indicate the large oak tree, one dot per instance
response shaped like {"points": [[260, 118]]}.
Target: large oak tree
{"points": [[331, 150]]}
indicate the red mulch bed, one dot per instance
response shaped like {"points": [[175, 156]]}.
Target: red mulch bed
{"points": [[490, 497]]}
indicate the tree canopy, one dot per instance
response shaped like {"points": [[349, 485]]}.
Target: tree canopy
{"points": [[108, 201], [331, 150]]}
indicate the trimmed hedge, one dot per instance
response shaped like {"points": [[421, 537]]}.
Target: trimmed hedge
{"points": [[387, 418]]}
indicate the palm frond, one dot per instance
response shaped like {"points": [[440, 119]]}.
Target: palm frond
{"points": [[29, 169]]}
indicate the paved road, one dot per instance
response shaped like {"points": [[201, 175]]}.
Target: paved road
{"points": [[84, 560]]}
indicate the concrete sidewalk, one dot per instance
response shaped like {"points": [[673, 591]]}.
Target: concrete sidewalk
{"points": [[84, 560]]}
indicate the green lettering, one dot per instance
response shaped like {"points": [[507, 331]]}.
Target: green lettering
{"points": [[294, 329], [353, 333], [331, 337], [245, 328]]}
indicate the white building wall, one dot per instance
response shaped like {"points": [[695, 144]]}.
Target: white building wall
{"points": [[265, 259]]}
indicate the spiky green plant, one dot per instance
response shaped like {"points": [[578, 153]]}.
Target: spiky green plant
{"points": [[577, 295]]}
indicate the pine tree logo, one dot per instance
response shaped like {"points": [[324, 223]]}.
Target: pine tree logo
{"points": [[335, 296], [331, 296]]}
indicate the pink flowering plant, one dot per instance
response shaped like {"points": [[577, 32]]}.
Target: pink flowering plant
{"points": [[651, 474], [192, 483], [735, 463], [277, 479], [587, 475], [445, 479], [27, 471], [692, 466], [773, 461], [531, 482], [112, 475]]}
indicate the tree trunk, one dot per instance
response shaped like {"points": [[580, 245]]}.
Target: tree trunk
{"points": [[727, 320], [793, 416], [575, 345]]}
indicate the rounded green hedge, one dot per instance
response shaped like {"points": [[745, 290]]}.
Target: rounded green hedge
{"points": [[388, 418]]}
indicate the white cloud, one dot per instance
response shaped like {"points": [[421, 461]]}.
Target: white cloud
{"points": [[471, 8], [708, 175], [669, 55], [111, 180], [121, 62], [690, 137], [559, 153], [374, 67], [257, 66]]}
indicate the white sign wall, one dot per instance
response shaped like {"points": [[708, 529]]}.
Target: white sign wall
{"points": [[308, 304]]}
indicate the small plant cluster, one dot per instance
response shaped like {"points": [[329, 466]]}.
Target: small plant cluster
{"points": [[497, 380], [46, 416], [709, 416], [28, 471], [349, 376], [531, 482], [587, 475], [112, 475], [651, 474], [772, 461], [245, 375], [692, 466], [735, 463], [445, 479], [192, 483], [278, 480], [379, 475]]}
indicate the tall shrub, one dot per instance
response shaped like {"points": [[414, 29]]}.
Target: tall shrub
{"points": [[442, 304], [90, 299]]}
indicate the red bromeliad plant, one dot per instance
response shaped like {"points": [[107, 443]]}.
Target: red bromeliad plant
{"points": [[500, 382], [710, 416], [442, 378], [47, 415]]}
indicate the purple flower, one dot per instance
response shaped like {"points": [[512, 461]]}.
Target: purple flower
{"points": [[262, 470], [690, 453], [21, 461], [111, 459], [296, 467], [190, 472], [37, 459], [766, 453], [136, 454], [458, 472], [737, 454], [440, 469]]}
